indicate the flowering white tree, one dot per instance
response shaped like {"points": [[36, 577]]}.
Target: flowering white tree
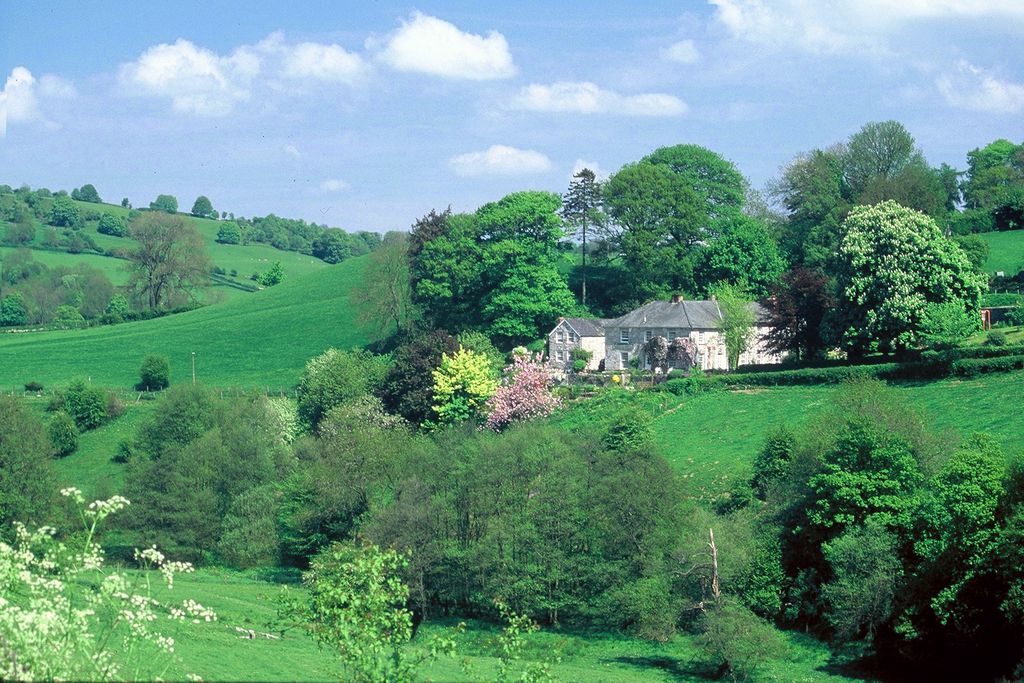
{"points": [[63, 616], [525, 393]]}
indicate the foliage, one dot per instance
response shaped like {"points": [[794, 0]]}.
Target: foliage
{"points": [[947, 324], [524, 393], [796, 310], [996, 338], [86, 193], [67, 317], [408, 386], [463, 383], [27, 479], [85, 403], [166, 203], [883, 300], [743, 251], [13, 310], [738, 320], [110, 224], [71, 614], [719, 186], [660, 218], [202, 208], [629, 431], [335, 377], [63, 433], [385, 297], [737, 642], [773, 460], [250, 536], [154, 373], [332, 246], [228, 233], [582, 210], [169, 262], [272, 276], [64, 212], [356, 607], [513, 637]]}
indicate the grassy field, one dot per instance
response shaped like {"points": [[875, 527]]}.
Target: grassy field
{"points": [[1006, 251], [216, 651], [254, 341], [712, 438], [113, 268]]}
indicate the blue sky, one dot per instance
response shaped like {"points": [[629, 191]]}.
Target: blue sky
{"points": [[367, 115]]}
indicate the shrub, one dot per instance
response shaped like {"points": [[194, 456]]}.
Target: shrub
{"points": [[63, 433], [68, 318], [154, 374], [87, 405], [996, 338], [250, 536], [112, 225], [335, 377], [1015, 316], [229, 234], [972, 367], [33, 386]]}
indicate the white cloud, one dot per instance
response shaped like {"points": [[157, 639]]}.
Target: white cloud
{"points": [[333, 185], [500, 160], [588, 98], [328, 63], [845, 25], [292, 151], [21, 95], [196, 80], [199, 81], [683, 52], [429, 45], [969, 87]]}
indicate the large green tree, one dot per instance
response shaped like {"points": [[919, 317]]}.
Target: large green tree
{"points": [[743, 251], [893, 262], [716, 181], [166, 202], [203, 208], [660, 218], [170, 262]]}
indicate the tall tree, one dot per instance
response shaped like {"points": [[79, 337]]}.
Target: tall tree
{"points": [[879, 150], [581, 209], [743, 251], [716, 181], [384, 297], [738, 321], [166, 203], [661, 219], [170, 260], [202, 208], [796, 310], [893, 263]]}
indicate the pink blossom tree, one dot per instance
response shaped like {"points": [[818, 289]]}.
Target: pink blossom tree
{"points": [[525, 393]]}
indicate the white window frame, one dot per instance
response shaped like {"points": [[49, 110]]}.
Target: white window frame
{"points": [[700, 337], [559, 335], [624, 358], [672, 334], [623, 335], [648, 334], [560, 356]]}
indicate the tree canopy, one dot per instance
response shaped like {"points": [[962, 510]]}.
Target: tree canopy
{"points": [[170, 262]]}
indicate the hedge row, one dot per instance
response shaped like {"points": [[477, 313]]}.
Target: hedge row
{"points": [[935, 368]]}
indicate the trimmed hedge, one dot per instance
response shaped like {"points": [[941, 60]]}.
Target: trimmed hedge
{"points": [[969, 362]]}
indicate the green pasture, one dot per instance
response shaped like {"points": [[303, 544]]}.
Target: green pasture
{"points": [[1006, 251], [218, 651], [261, 340]]}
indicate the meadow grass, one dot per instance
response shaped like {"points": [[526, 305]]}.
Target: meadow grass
{"points": [[1006, 251], [257, 341], [217, 651], [711, 438]]}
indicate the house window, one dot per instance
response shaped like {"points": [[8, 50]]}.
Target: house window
{"points": [[572, 336], [624, 335], [648, 334], [700, 337], [624, 358], [560, 335], [560, 355], [672, 334]]}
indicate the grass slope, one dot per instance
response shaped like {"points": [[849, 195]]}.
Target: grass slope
{"points": [[712, 438], [1006, 251], [254, 341], [216, 652]]}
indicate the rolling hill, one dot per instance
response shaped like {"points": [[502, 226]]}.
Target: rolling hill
{"points": [[1006, 251], [259, 340]]}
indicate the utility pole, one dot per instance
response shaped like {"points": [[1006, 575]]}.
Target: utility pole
{"points": [[193, 368]]}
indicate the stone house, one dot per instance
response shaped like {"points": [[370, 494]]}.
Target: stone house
{"points": [[577, 333], [616, 343]]}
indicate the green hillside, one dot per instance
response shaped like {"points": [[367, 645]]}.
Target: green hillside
{"points": [[254, 341], [1006, 251]]}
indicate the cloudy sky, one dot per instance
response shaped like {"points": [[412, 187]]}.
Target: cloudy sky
{"points": [[366, 115]]}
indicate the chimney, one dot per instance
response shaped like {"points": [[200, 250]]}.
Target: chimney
{"points": [[677, 298]]}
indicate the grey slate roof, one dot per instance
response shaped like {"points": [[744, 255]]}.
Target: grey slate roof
{"points": [[694, 315], [588, 327]]}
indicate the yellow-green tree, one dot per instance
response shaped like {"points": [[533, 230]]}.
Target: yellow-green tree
{"points": [[462, 385]]}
